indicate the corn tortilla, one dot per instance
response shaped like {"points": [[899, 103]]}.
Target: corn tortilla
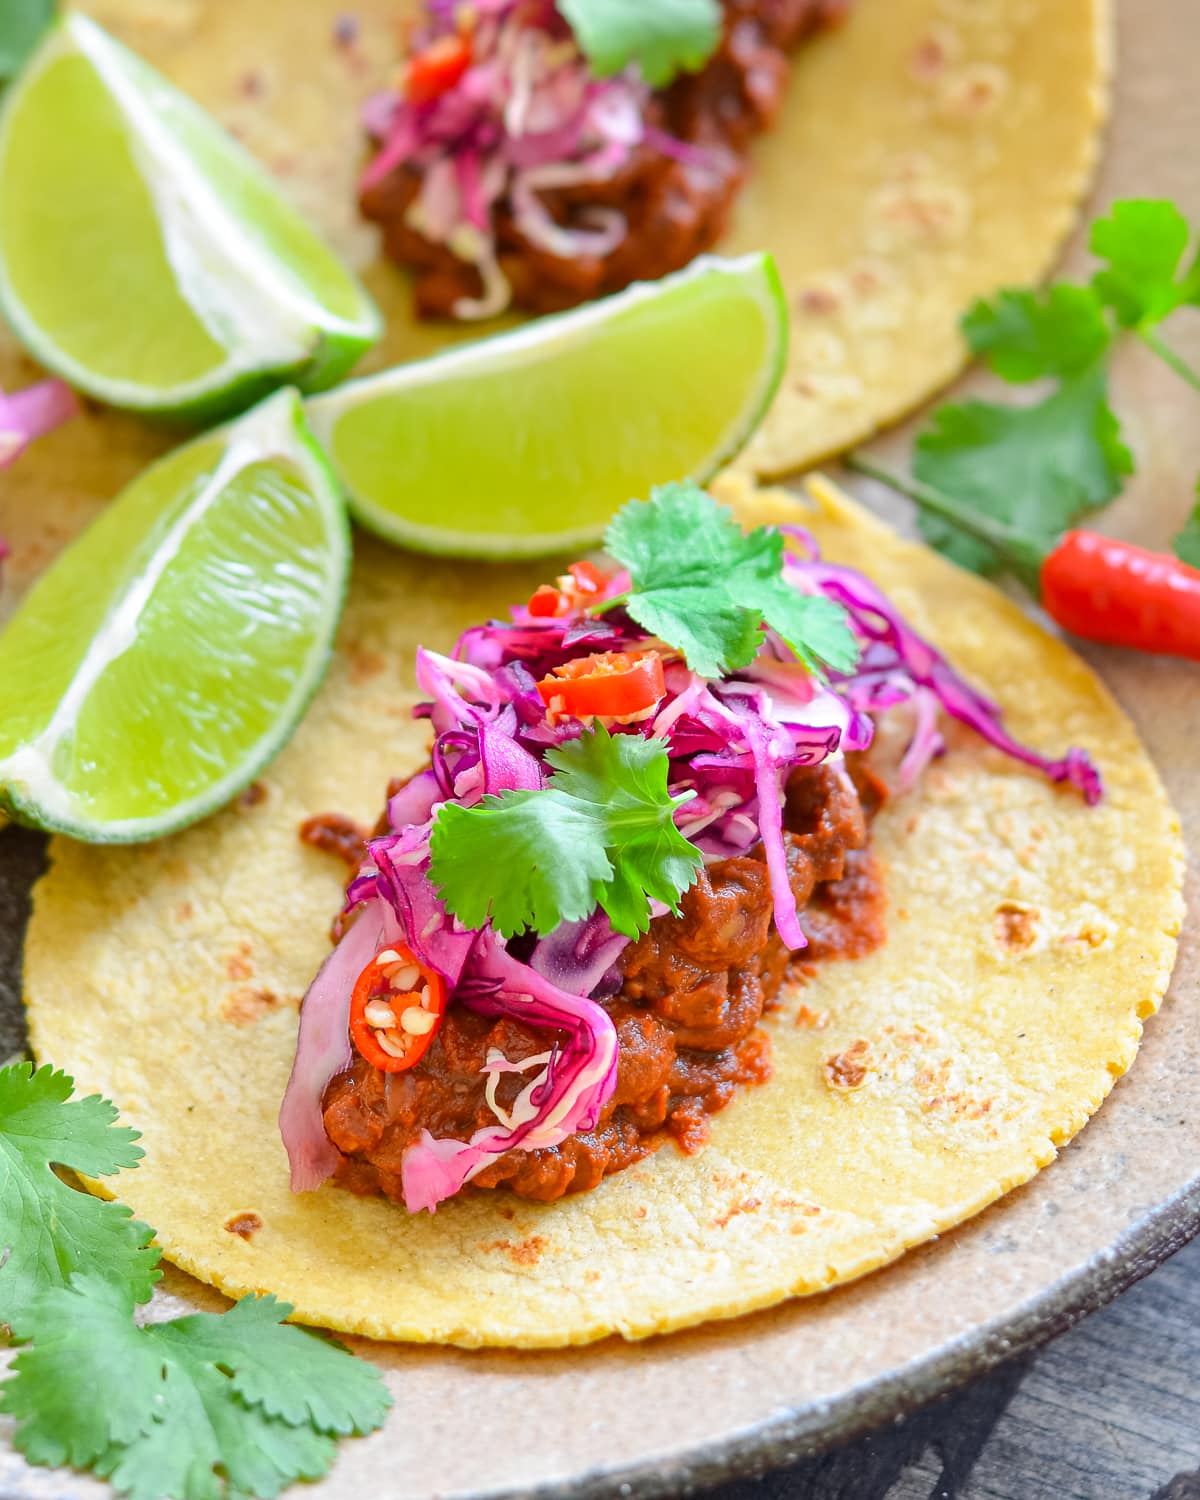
{"points": [[1029, 938]]}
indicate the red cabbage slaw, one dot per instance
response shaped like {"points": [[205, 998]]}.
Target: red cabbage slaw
{"points": [[525, 117], [732, 742], [32, 413]]}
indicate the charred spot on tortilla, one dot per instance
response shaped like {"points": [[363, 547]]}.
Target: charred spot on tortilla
{"points": [[245, 1225], [1015, 926], [546, 186]]}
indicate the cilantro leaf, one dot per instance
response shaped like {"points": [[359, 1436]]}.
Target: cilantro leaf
{"points": [[1186, 545], [1037, 468], [1025, 335], [207, 1406], [21, 25], [48, 1229], [707, 588], [601, 833], [663, 37], [554, 865], [1144, 242]]}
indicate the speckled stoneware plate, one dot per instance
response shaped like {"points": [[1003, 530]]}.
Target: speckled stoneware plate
{"points": [[654, 1418]]}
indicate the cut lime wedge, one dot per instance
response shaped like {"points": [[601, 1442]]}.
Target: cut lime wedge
{"points": [[527, 443], [168, 654], [144, 256]]}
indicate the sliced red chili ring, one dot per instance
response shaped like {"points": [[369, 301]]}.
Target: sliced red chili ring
{"points": [[396, 1009], [607, 684]]}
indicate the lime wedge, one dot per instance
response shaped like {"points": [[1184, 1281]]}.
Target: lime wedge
{"points": [[527, 443], [144, 256], [168, 654]]}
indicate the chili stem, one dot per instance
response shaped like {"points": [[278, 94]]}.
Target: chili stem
{"points": [[1169, 357], [1021, 554]]}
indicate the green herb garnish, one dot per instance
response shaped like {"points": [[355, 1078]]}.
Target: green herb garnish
{"points": [[204, 1407], [1038, 468], [707, 588], [600, 834], [663, 37], [1041, 467], [49, 1230]]}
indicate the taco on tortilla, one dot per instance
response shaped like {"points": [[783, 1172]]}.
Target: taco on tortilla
{"points": [[1027, 935], [520, 164], [648, 803], [909, 157]]}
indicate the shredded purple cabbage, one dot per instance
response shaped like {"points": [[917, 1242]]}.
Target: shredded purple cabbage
{"points": [[32, 413], [877, 620]]}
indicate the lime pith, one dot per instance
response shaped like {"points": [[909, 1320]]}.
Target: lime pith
{"points": [[167, 655], [144, 256], [526, 443]]}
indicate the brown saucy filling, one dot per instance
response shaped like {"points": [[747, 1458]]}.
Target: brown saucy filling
{"points": [[674, 210], [692, 992]]}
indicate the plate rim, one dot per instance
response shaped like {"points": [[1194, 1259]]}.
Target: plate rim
{"points": [[806, 1432]]}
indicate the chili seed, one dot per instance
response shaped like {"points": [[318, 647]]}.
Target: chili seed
{"points": [[392, 1042], [379, 1015], [417, 1022], [404, 976]]}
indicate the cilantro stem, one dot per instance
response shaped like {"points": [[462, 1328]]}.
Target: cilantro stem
{"points": [[606, 604], [1170, 357], [1021, 553]]}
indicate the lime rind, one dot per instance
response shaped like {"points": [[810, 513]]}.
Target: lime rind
{"points": [[273, 328], [30, 792], [755, 273]]}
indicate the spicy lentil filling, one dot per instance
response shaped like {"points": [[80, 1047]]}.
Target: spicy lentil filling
{"points": [[686, 1000], [675, 207]]}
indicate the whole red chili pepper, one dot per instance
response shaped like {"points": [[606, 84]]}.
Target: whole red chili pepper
{"points": [[1094, 586]]}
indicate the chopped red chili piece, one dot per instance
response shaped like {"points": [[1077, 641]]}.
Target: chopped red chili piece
{"points": [[588, 577], [607, 684], [433, 72], [546, 603], [581, 583]]}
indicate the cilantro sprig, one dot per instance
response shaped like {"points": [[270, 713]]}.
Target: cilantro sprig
{"points": [[600, 834], [662, 37], [1037, 467], [49, 1230], [708, 589], [207, 1407]]}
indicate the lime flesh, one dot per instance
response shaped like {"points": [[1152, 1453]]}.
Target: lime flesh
{"points": [[528, 442], [144, 256], [168, 654]]}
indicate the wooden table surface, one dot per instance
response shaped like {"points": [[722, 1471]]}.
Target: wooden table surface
{"points": [[1109, 1411]]}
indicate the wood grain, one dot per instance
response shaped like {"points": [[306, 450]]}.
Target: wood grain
{"points": [[1110, 1411]]}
